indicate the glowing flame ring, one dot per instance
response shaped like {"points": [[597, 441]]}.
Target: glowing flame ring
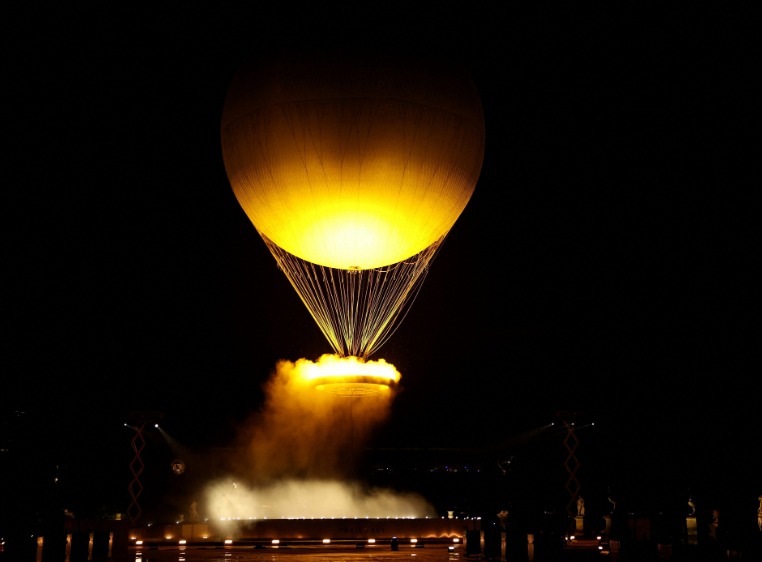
{"points": [[354, 385]]}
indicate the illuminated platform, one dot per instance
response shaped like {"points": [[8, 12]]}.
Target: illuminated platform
{"points": [[354, 385], [308, 531]]}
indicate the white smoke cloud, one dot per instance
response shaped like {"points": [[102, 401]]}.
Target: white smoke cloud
{"points": [[307, 499]]}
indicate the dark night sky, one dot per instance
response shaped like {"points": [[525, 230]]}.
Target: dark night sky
{"points": [[604, 265]]}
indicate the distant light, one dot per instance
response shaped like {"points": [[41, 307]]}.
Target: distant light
{"points": [[413, 541], [138, 542], [372, 541], [181, 541], [228, 541], [456, 540], [276, 541], [326, 541]]}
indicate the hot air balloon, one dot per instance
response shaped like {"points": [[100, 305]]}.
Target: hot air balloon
{"points": [[353, 170]]}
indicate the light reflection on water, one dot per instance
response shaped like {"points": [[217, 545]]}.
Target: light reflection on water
{"points": [[434, 553]]}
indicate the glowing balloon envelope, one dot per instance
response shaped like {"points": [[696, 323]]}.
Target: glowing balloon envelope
{"points": [[353, 171]]}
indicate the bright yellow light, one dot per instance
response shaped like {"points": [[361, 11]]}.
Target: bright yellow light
{"points": [[335, 366], [350, 376], [377, 230]]}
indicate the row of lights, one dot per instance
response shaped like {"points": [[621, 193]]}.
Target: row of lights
{"points": [[276, 542], [572, 538]]}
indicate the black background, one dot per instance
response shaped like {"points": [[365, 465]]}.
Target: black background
{"points": [[602, 272]]}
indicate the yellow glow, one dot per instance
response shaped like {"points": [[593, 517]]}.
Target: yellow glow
{"points": [[384, 224], [335, 366], [350, 376]]}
